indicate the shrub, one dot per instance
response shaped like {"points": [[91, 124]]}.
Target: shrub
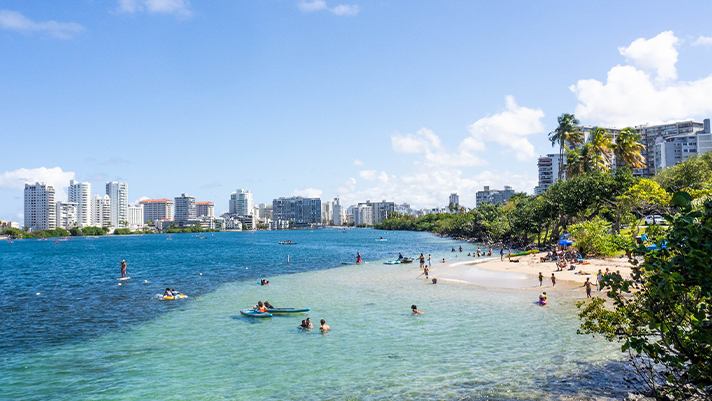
{"points": [[593, 238]]}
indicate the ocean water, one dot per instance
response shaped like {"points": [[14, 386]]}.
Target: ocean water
{"points": [[86, 337]]}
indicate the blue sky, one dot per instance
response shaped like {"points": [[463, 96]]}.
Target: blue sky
{"points": [[404, 100]]}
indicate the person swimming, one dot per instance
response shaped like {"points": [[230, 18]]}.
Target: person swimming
{"points": [[303, 326], [415, 310], [168, 293], [324, 327], [309, 324]]}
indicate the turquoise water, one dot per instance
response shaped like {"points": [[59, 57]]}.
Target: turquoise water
{"points": [[471, 343]]}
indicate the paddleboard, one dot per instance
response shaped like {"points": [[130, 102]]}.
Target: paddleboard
{"points": [[288, 310], [123, 278]]}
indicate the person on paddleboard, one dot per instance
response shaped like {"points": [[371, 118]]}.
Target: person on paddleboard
{"points": [[123, 268]]}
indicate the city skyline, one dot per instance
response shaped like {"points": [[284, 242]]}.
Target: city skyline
{"points": [[354, 101]]}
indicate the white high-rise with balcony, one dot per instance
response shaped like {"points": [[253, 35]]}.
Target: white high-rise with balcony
{"points": [[100, 211], [40, 209], [80, 193], [118, 192], [339, 216], [135, 216], [241, 203], [66, 213]]}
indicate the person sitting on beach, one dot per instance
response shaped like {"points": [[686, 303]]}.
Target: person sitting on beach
{"points": [[168, 293], [268, 306], [324, 327], [415, 310]]}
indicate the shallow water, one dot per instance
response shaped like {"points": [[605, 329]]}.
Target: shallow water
{"points": [[471, 343]]}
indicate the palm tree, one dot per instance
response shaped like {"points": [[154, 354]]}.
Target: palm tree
{"points": [[628, 149], [573, 163], [565, 134], [587, 158], [602, 145]]}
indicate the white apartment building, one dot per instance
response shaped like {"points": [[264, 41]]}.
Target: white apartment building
{"points": [[326, 213], [135, 214], [80, 193], [675, 149], [157, 209], [206, 209], [338, 214], [548, 171], [40, 209], [454, 199], [184, 209], [66, 214], [363, 214], [241, 203], [653, 134], [118, 192], [265, 211], [101, 211], [494, 196]]}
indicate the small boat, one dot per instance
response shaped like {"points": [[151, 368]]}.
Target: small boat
{"points": [[287, 310], [287, 243], [393, 262], [254, 313]]}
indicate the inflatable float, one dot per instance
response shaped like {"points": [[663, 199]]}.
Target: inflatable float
{"points": [[254, 313], [169, 297]]}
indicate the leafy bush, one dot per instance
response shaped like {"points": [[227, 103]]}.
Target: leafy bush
{"points": [[593, 238]]}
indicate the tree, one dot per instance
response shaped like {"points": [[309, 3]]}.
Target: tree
{"points": [[628, 149], [601, 145], [573, 163], [565, 134], [645, 197], [666, 325], [694, 173]]}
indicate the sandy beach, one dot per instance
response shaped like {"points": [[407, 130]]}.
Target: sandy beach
{"points": [[492, 272]]}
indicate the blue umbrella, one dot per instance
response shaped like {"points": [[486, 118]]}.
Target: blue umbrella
{"points": [[565, 242]]}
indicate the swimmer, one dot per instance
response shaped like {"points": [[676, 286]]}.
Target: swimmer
{"points": [[303, 326], [453, 249], [309, 324], [415, 310], [443, 260], [324, 327], [168, 293], [460, 248]]}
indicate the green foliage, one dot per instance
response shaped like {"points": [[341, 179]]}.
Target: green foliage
{"points": [[122, 231], [76, 232], [593, 238], [93, 231], [667, 323], [14, 232], [695, 173]]}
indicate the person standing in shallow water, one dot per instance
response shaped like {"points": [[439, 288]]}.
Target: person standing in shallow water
{"points": [[553, 280], [422, 261], [587, 284], [324, 327], [541, 279]]}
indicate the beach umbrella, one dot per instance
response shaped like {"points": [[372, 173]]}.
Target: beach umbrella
{"points": [[565, 242]]}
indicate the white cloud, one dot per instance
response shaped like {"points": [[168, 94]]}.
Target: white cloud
{"points": [[658, 54], [368, 174], [509, 128], [651, 94], [383, 177], [15, 21], [702, 41], [54, 176], [179, 8], [320, 5], [358, 162], [140, 199], [308, 193], [427, 142], [346, 10]]}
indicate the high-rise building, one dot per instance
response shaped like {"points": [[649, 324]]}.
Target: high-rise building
{"points": [[101, 211], [118, 192], [157, 209], [326, 210], [653, 134], [241, 203], [301, 211], [379, 210], [265, 211], [184, 209], [135, 215], [494, 196], [454, 199], [338, 212], [80, 193], [40, 209], [363, 214], [675, 149], [206, 209], [548, 171], [66, 214]]}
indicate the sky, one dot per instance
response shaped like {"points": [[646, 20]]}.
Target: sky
{"points": [[367, 100]]}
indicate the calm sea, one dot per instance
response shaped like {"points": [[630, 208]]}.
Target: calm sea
{"points": [[87, 337]]}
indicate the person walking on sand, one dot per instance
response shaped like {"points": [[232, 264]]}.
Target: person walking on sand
{"points": [[501, 254], [553, 280], [587, 284], [599, 278], [541, 279], [123, 268], [324, 327], [422, 261]]}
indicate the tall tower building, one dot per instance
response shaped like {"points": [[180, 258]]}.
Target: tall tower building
{"points": [[241, 203], [40, 209], [80, 193], [185, 208], [118, 192], [100, 211], [338, 212], [454, 199]]}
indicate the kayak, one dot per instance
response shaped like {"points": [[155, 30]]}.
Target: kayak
{"points": [[533, 251], [288, 310], [254, 313], [393, 262]]}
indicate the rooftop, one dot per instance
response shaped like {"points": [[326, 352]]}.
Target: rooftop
{"points": [[155, 200]]}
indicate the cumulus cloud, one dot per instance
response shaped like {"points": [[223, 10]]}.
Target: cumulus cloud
{"points": [[320, 5], [368, 174], [358, 162], [509, 128], [178, 8], [702, 41], [308, 193], [140, 199], [54, 176], [427, 142], [646, 92], [15, 21], [658, 54]]}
